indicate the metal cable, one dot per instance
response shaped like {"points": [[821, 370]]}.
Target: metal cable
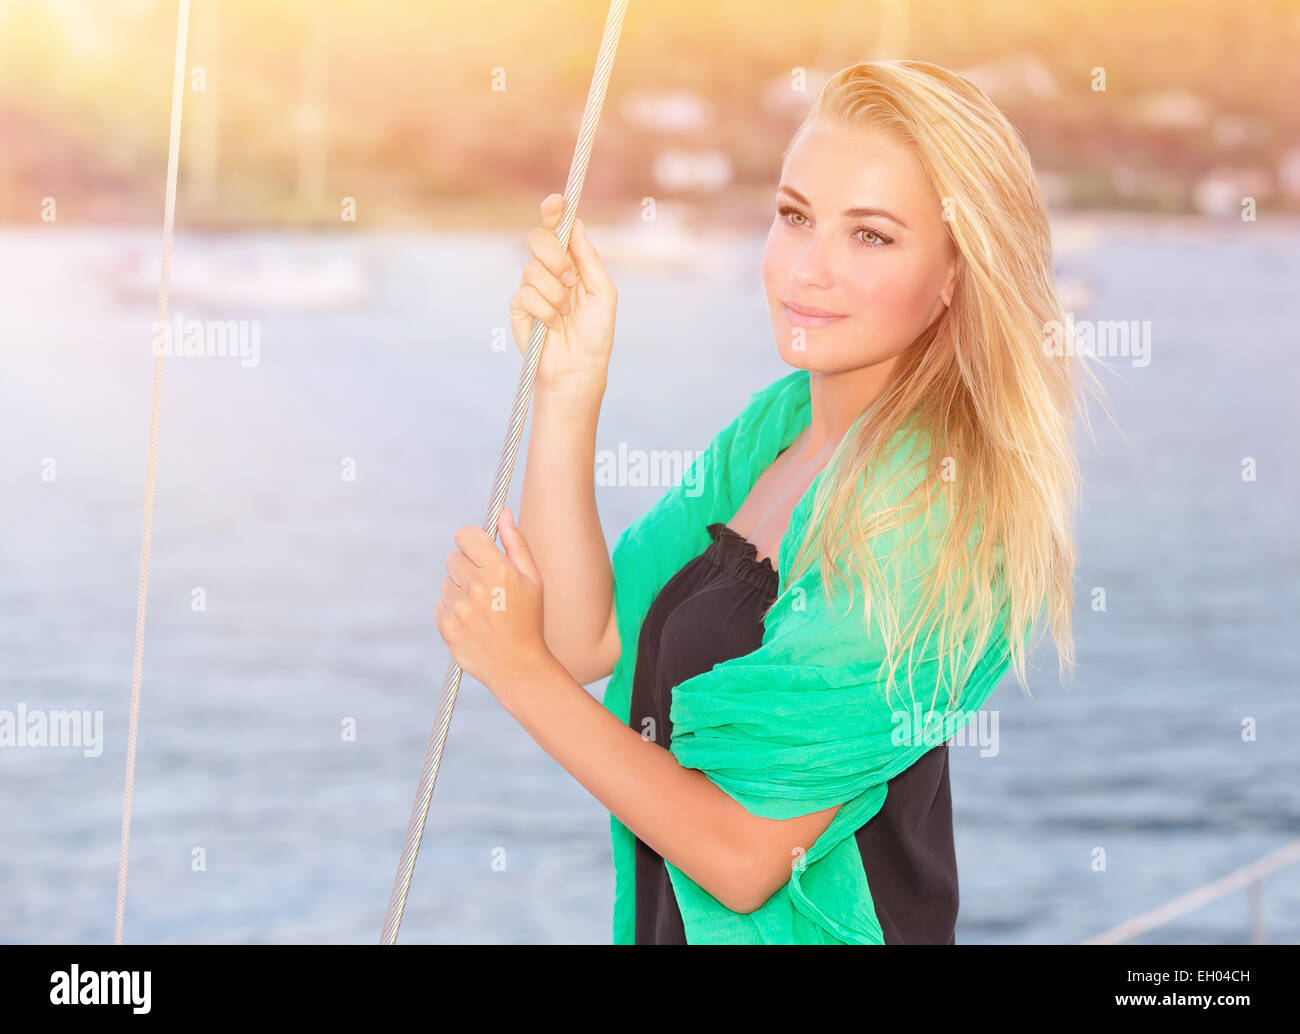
{"points": [[173, 160], [505, 468]]}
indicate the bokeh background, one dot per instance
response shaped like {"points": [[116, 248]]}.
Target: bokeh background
{"points": [[356, 181]]}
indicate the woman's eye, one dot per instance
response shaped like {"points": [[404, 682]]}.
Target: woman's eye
{"points": [[877, 239]]}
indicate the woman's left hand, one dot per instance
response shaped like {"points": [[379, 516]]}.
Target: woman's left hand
{"points": [[490, 613]]}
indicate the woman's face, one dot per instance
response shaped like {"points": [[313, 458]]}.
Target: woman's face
{"points": [[884, 275]]}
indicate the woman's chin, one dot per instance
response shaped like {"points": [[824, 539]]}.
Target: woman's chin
{"points": [[800, 357], [795, 359]]}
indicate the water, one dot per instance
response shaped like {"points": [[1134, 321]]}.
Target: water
{"points": [[257, 821]]}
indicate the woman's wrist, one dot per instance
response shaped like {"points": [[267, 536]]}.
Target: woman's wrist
{"points": [[528, 684], [586, 388]]}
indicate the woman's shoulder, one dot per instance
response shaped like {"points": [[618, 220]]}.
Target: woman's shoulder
{"points": [[784, 394]]}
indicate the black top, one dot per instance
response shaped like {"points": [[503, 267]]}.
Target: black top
{"points": [[711, 611]]}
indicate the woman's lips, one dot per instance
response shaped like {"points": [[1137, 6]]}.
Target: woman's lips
{"points": [[803, 319]]}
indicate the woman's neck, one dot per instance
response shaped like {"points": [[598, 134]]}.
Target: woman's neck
{"points": [[838, 399]]}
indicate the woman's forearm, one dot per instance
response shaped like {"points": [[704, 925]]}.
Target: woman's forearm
{"points": [[677, 811], [558, 517]]}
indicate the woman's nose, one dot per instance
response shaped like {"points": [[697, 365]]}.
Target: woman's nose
{"points": [[811, 265]]}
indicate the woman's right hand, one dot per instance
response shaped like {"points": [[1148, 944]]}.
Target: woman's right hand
{"points": [[579, 314]]}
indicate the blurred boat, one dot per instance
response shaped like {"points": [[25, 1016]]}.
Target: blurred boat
{"points": [[244, 276], [668, 243]]}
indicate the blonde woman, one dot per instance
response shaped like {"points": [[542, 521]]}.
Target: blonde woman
{"points": [[866, 552]]}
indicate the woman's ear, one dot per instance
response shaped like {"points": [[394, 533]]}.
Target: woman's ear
{"points": [[950, 285]]}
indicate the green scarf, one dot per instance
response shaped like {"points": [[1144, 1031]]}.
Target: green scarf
{"points": [[800, 724]]}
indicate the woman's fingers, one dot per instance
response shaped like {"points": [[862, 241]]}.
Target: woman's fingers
{"points": [[530, 299], [587, 261], [458, 568], [546, 250], [547, 285], [558, 260], [534, 307], [552, 209]]}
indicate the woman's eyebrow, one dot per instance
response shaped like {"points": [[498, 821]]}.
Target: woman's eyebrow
{"points": [[852, 213]]}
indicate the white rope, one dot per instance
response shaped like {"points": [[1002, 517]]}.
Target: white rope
{"points": [[505, 468], [173, 159], [1247, 876]]}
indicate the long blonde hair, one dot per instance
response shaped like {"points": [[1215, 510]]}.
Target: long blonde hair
{"points": [[996, 408]]}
